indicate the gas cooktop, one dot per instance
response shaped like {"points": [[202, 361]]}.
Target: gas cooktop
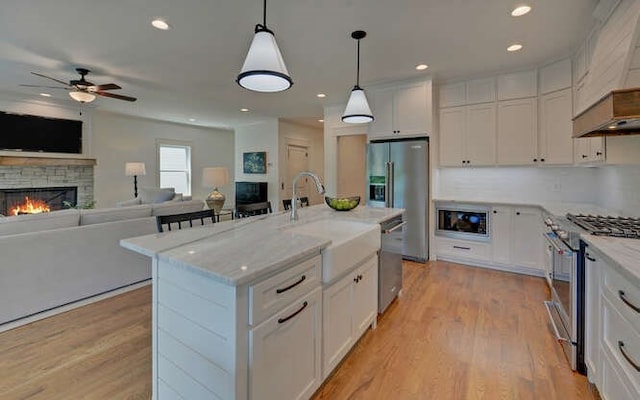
{"points": [[608, 226]]}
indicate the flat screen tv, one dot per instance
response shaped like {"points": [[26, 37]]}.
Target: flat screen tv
{"points": [[251, 192], [21, 132]]}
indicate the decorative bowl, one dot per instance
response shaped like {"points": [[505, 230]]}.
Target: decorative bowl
{"points": [[342, 203]]}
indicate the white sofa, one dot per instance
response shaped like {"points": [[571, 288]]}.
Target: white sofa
{"points": [[50, 261]]}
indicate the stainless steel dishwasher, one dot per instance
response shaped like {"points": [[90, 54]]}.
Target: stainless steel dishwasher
{"points": [[390, 262]]}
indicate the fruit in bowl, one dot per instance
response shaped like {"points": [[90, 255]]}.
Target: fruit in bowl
{"points": [[342, 203]]}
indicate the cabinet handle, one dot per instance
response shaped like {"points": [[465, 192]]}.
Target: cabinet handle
{"points": [[588, 257], [302, 278], [623, 297], [462, 247], [584, 156], [495, 212], [542, 160], [626, 356], [518, 213], [359, 277], [468, 161], [356, 279], [535, 160], [285, 319], [598, 153]]}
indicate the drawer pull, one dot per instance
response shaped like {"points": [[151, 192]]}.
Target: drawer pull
{"points": [[588, 257], [626, 356], [462, 248], [285, 319], [623, 297], [302, 278]]}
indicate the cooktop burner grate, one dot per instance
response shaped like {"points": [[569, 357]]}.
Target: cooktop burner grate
{"points": [[608, 226]]}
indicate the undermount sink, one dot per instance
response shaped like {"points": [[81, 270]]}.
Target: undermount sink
{"points": [[351, 242]]}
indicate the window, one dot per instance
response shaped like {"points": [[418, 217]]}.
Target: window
{"points": [[175, 167]]}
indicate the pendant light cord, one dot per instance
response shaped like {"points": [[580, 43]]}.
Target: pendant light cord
{"points": [[357, 65], [264, 14]]}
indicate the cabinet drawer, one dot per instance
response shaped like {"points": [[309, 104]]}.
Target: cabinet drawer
{"points": [[272, 294], [462, 248], [623, 294], [613, 387], [622, 343]]}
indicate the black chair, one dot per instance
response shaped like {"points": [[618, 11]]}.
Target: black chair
{"points": [[249, 210], [304, 202], [179, 219]]}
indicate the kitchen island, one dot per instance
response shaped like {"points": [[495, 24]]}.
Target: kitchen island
{"points": [[245, 309]]}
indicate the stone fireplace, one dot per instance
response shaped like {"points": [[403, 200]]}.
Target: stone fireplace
{"points": [[55, 179], [18, 201]]}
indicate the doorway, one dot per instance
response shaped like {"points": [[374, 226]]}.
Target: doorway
{"points": [[352, 164], [297, 159]]}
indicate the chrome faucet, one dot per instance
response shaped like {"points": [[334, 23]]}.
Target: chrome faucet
{"points": [[294, 199]]}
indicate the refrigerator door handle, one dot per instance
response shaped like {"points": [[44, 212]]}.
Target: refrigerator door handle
{"points": [[389, 185]]}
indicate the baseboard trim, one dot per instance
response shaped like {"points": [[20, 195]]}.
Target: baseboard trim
{"points": [[70, 306], [500, 267]]}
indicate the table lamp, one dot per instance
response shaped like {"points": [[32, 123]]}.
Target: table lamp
{"points": [[215, 177], [134, 169]]}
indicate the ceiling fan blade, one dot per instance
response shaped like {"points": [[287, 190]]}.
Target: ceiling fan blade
{"points": [[45, 87], [107, 86], [116, 96], [53, 79]]}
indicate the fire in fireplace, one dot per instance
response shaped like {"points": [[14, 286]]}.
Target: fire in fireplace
{"points": [[34, 200]]}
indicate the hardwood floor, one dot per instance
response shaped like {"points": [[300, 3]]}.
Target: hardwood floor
{"points": [[456, 333]]}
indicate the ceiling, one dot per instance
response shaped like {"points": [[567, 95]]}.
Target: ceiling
{"points": [[189, 71]]}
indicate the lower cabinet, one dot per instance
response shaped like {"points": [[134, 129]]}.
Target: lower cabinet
{"points": [[612, 330], [284, 351], [349, 306]]}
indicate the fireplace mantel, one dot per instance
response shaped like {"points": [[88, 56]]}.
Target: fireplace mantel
{"points": [[45, 161]]}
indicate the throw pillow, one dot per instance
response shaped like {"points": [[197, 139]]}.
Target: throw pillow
{"points": [[156, 195]]}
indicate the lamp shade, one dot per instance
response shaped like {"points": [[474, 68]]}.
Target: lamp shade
{"points": [[214, 177], [357, 110], [82, 97], [134, 169], [264, 69]]}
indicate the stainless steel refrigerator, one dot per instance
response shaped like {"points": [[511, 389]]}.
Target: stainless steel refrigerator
{"points": [[398, 176]]}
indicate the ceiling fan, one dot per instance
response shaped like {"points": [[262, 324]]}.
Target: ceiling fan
{"points": [[82, 90]]}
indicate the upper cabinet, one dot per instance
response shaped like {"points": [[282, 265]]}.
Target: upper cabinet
{"points": [[481, 91], [467, 135], [555, 144], [405, 109], [517, 85], [517, 132], [555, 76]]}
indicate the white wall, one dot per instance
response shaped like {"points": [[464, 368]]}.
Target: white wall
{"points": [[308, 136], [262, 136], [518, 184], [618, 189], [118, 139]]}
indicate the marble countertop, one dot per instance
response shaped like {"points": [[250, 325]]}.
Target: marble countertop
{"points": [[239, 251], [623, 252], [558, 209]]}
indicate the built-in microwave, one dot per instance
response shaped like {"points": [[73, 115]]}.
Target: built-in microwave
{"points": [[460, 221]]}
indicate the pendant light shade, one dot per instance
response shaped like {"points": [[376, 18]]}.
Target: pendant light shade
{"points": [[357, 110], [264, 69], [82, 97]]}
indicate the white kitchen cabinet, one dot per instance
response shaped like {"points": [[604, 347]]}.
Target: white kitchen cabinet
{"points": [[462, 250], [555, 76], [285, 351], [517, 132], [349, 307], [555, 137], [467, 135], [401, 110], [452, 95], [517, 85], [592, 329], [516, 239], [481, 91], [589, 150]]}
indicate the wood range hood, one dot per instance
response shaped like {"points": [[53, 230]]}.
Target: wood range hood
{"points": [[617, 113]]}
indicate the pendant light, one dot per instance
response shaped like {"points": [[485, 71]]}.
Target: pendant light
{"points": [[357, 110], [263, 69]]}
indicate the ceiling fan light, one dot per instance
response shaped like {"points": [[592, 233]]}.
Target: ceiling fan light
{"points": [[82, 97], [357, 110], [264, 69]]}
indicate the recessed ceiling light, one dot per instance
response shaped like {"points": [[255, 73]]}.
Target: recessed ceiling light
{"points": [[321, 95], [161, 24], [192, 120], [421, 67], [244, 109], [45, 95], [514, 47], [520, 10], [320, 120]]}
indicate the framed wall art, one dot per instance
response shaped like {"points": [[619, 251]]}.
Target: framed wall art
{"points": [[254, 162]]}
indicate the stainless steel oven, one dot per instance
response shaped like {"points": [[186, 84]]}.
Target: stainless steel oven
{"points": [[461, 221]]}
